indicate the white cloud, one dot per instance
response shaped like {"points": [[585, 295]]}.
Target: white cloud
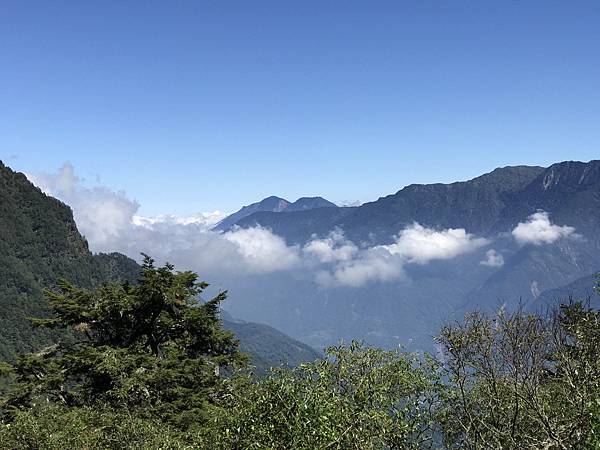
{"points": [[493, 259], [538, 230], [374, 264], [265, 251], [341, 263], [349, 203], [353, 266], [101, 214], [420, 245], [109, 221], [205, 220], [334, 247]]}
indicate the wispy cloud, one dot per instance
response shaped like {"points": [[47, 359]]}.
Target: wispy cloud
{"points": [[493, 259], [369, 265], [205, 220], [263, 250], [100, 213], [333, 248]]}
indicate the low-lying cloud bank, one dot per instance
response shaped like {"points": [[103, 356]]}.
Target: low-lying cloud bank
{"points": [[205, 220], [110, 222], [353, 266]]}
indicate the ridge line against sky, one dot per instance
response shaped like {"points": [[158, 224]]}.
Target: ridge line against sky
{"points": [[198, 107], [97, 183]]}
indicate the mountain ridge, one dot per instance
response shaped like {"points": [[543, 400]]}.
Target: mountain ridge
{"points": [[481, 205]]}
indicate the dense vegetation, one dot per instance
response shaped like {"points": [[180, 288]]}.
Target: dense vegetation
{"points": [[149, 367]]}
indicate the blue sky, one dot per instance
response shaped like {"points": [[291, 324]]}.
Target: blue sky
{"points": [[194, 106]]}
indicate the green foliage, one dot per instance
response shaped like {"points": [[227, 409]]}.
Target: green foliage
{"points": [[40, 244], [57, 427], [520, 381], [149, 348], [587, 332], [512, 381], [143, 365], [356, 398], [268, 347]]}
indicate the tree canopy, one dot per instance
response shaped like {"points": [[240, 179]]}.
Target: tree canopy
{"points": [[151, 347]]}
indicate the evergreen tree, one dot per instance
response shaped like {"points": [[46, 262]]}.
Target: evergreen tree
{"points": [[151, 348]]}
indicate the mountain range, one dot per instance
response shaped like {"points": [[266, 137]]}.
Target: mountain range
{"points": [[488, 204]]}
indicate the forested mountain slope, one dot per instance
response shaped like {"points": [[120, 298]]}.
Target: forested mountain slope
{"points": [[39, 244]]}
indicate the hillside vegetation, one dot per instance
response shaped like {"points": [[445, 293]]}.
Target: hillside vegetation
{"points": [[149, 367]]}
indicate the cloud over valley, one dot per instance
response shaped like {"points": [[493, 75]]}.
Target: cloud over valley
{"points": [[111, 222]]}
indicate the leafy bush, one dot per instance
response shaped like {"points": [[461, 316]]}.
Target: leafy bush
{"points": [[521, 380], [357, 397]]}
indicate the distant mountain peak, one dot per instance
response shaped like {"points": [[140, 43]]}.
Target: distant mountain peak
{"points": [[274, 204], [304, 203]]}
